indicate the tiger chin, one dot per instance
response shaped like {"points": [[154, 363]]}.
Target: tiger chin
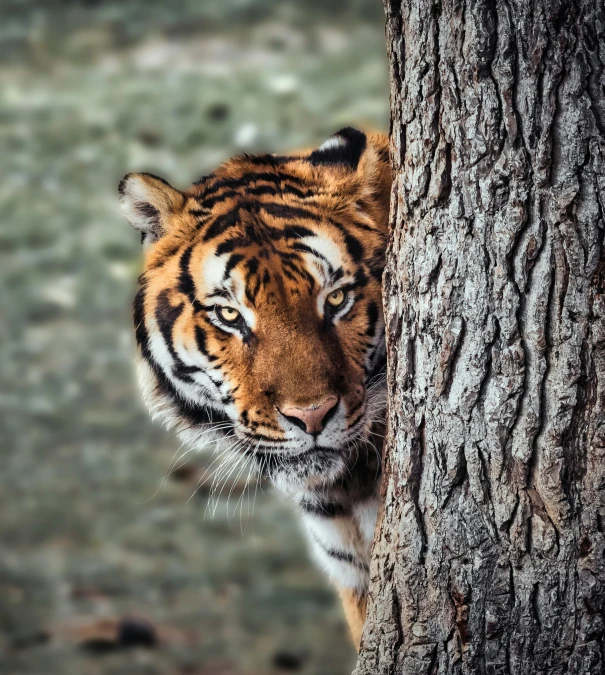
{"points": [[259, 318]]}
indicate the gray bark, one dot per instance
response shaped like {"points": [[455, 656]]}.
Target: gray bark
{"points": [[489, 552]]}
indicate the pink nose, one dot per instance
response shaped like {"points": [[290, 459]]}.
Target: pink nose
{"points": [[311, 419]]}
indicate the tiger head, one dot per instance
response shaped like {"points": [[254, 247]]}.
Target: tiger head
{"points": [[259, 312]]}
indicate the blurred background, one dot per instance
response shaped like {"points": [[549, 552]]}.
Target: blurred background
{"points": [[105, 566]]}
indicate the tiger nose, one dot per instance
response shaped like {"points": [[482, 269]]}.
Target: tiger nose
{"points": [[313, 418]]}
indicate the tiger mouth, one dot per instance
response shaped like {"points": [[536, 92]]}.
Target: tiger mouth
{"points": [[301, 454], [354, 435], [317, 461]]}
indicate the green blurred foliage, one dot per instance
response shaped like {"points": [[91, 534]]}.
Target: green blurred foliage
{"points": [[89, 530]]}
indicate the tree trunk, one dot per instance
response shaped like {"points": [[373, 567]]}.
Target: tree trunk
{"points": [[489, 552]]}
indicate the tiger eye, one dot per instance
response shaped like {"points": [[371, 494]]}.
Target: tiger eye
{"points": [[228, 314], [336, 298]]}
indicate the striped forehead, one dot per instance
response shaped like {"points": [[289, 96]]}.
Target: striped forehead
{"points": [[314, 256], [324, 257]]}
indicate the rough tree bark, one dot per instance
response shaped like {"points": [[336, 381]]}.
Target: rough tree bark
{"points": [[489, 553]]}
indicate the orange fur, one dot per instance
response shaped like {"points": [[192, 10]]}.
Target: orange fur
{"points": [[243, 228], [354, 606], [292, 361]]}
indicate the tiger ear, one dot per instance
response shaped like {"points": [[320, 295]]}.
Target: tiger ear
{"points": [[360, 164], [147, 201], [343, 149]]}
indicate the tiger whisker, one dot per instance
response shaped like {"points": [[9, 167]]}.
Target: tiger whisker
{"points": [[205, 477], [234, 483], [224, 483], [178, 466]]}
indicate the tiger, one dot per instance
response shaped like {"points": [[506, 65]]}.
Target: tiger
{"points": [[259, 317]]}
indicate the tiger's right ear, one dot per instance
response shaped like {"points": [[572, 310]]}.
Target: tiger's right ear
{"points": [[147, 202]]}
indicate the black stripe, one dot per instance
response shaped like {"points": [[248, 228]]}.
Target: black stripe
{"points": [[194, 415], [250, 292], [297, 232], [338, 274], [298, 270], [252, 265], [288, 274], [361, 226], [360, 280], [166, 316], [183, 372], [199, 213], [281, 190], [222, 223], [343, 556], [354, 247], [355, 223], [310, 280], [372, 312], [288, 212], [307, 249], [138, 315], [274, 234], [325, 509], [166, 256], [203, 179], [197, 415], [233, 261], [291, 261], [228, 245], [202, 344], [275, 161], [247, 179], [252, 268], [210, 202], [186, 285], [261, 437]]}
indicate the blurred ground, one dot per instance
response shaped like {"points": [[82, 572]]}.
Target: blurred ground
{"points": [[90, 536]]}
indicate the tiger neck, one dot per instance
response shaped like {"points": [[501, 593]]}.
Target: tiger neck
{"points": [[340, 520], [360, 481], [351, 500]]}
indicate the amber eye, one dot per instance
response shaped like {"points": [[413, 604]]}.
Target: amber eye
{"points": [[228, 315], [337, 298]]}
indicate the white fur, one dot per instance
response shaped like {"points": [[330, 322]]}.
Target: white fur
{"points": [[365, 515], [351, 535], [333, 142], [135, 191]]}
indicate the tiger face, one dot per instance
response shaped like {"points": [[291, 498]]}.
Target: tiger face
{"points": [[259, 313]]}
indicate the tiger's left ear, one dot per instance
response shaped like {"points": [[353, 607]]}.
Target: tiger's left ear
{"points": [[343, 149], [360, 166], [148, 201]]}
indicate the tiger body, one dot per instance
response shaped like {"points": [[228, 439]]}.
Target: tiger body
{"points": [[259, 321]]}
